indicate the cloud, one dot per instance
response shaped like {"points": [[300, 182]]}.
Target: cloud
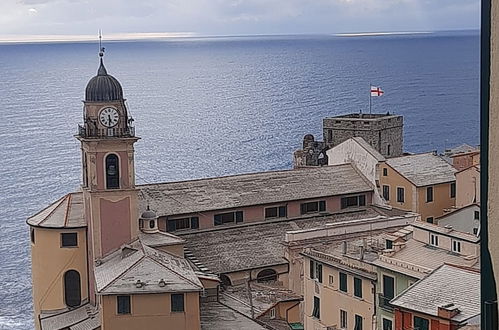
{"points": [[210, 17]]}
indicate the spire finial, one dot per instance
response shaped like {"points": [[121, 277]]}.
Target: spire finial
{"points": [[101, 49]]}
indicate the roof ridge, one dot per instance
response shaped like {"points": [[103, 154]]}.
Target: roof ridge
{"points": [[244, 174], [59, 202], [188, 280], [124, 272], [68, 208]]}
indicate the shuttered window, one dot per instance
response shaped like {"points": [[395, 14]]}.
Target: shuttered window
{"points": [[357, 287], [177, 302], [123, 304], [316, 312], [343, 282], [222, 218]]}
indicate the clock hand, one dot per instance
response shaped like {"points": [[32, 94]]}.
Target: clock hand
{"points": [[109, 120]]}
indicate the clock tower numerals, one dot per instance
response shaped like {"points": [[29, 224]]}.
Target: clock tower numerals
{"points": [[109, 117]]}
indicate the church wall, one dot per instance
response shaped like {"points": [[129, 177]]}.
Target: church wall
{"points": [[49, 263], [151, 312], [115, 228], [257, 213]]}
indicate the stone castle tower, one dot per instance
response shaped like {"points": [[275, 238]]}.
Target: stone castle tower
{"points": [[384, 132]]}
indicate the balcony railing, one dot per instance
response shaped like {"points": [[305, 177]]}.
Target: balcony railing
{"points": [[86, 132], [384, 302]]}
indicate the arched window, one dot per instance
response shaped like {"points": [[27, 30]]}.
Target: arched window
{"points": [[72, 288], [267, 275], [112, 172], [152, 224]]}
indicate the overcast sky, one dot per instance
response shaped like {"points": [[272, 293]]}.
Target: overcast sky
{"points": [[234, 17]]}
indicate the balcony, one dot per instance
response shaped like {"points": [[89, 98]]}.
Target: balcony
{"points": [[86, 132], [384, 302]]}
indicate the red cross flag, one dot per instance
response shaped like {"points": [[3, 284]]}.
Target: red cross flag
{"points": [[376, 91]]}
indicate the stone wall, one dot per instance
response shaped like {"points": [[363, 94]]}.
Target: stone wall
{"points": [[383, 132]]}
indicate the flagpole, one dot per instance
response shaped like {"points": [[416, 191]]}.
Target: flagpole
{"points": [[370, 97]]}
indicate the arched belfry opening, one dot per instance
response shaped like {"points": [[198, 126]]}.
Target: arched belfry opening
{"points": [[72, 288], [112, 172]]}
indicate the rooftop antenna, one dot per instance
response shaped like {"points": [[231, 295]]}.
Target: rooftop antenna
{"points": [[101, 49]]}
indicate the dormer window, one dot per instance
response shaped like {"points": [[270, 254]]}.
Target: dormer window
{"points": [[112, 172]]}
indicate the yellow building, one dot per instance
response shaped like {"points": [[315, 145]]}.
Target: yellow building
{"points": [[339, 288], [422, 183], [95, 263]]}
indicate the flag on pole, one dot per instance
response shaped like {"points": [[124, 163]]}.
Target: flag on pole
{"points": [[376, 91]]}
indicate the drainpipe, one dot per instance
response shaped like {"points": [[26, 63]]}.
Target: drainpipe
{"points": [[488, 293]]}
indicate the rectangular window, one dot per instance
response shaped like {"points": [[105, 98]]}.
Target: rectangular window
{"points": [[433, 240], [276, 212], [283, 211], [386, 192], [222, 218], [387, 324], [69, 239], [388, 287], [239, 216], [195, 222], [477, 215], [456, 246], [400, 195], [429, 194], [270, 212], [429, 219], [316, 271], [343, 319], [421, 323], [353, 201], [357, 287], [385, 172], [331, 280], [183, 223], [316, 312], [313, 207], [177, 302], [389, 244], [453, 190], [358, 322], [343, 282], [123, 303]]}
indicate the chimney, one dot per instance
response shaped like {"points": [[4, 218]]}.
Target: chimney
{"points": [[448, 311]]}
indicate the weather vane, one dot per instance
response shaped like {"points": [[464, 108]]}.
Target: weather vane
{"points": [[101, 49]]}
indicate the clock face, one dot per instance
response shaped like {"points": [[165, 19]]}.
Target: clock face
{"points": [[109, 117]]}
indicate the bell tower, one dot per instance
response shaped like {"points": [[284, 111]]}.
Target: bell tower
{"points": [[107, 143]]}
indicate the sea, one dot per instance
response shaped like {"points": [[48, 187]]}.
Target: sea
{"points": [[211, 106]]}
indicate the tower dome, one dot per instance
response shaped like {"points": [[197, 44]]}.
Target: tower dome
{"points": [[103, 87], [148, 222]]}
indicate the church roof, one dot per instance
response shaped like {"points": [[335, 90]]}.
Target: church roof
{"points": [[67, 212], [103, 87], [253, 189], [138, 269]]}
